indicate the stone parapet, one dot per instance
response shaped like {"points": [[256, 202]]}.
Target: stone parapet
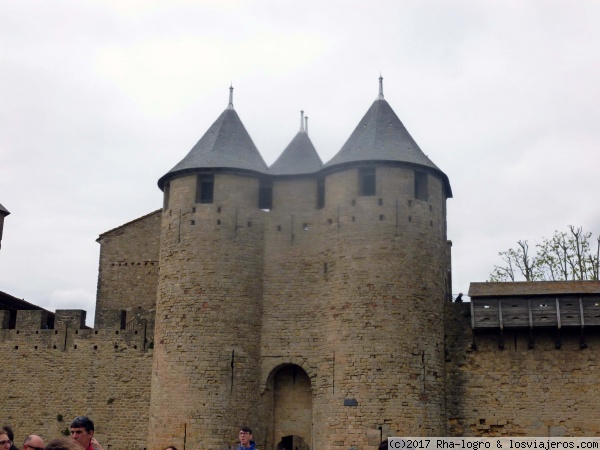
{"points": [[73, 318], [111, 318], [33, 319]]}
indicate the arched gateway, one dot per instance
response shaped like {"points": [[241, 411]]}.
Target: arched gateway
{"points": [[289, 393]]}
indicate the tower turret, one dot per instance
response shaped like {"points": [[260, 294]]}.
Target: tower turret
{"points": [[205, 376], [300, 156], [226, 146], [387, 281], [294, 172], [381, 137]]}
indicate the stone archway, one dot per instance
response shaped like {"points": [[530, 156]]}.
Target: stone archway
{"points": [[292, 443], [292, 408]]}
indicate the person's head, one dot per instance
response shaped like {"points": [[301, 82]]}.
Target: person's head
{"points": [[245, 436], [5, 441], [33, 442], [82, 430], [9, 432], [63, 444]]}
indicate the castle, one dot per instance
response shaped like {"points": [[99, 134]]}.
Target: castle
{"points": [[309, 301]]}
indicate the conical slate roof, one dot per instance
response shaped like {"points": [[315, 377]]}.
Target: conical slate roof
{"points": [[381, 136], [299, 157], [226, 145], [3, 211]]}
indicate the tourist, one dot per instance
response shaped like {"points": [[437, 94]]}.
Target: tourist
{"points": [[82, 431], [246, 439], [5, 442], [11, 436], [33, 442]]}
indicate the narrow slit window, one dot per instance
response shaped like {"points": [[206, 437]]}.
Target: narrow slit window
{"points": [[320, 192], [265, 194], [205, 186], [166, 197], [421, 192]]}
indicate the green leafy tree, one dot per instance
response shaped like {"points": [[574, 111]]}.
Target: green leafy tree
{"points": [[572, 255]]}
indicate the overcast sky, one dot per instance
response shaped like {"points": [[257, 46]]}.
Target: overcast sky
{"points": [[100, 99]]}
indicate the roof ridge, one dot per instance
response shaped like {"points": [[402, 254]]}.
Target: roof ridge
{"points": [[129, 223], [219, 127]]}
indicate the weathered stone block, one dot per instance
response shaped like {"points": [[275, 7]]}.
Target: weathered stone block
{"points": [[32, 319]]}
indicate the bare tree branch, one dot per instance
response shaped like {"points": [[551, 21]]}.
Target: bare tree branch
{"points": [[565, 256]]}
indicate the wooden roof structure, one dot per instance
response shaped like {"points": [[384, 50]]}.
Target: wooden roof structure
{"points": [[538, 304]]}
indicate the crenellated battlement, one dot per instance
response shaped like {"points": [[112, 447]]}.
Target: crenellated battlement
{"points": [[35, 331], [68, 339], [76, 370]]}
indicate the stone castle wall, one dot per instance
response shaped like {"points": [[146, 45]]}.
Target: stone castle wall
{"points": [[50, 376], [520, 391], [128, 269], [68, 371]]}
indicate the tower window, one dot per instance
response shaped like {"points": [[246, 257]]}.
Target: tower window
{"points": [[265, 194], [366, 181], [421, 192], [320, 192], [166, 197], [205, 186]]}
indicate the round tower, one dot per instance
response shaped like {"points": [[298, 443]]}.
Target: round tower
{"points": [[207, 337], [355, 280], [386, 287]]}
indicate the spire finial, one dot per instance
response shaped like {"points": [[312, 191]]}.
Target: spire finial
{"points": [[306, 124], [302, 120], [230, 97], [380, 87]]}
